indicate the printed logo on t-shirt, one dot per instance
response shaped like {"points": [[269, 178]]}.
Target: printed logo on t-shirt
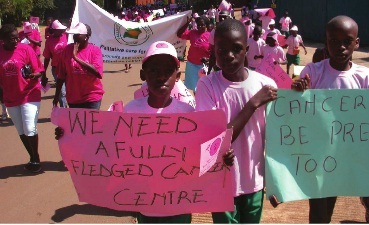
{"points": [[10, 68], [58, 49], [77, 69]]}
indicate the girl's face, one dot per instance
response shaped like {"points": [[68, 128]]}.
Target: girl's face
{"points": [[160, 73], [11, 41], [201, 27], [230, 51]]}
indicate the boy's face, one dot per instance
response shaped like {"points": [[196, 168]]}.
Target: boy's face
{"points": [[230, 51], [161, 73], [341, 43], [270, 41]]}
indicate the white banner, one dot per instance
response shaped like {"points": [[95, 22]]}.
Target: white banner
{"points": [[125, 41]]}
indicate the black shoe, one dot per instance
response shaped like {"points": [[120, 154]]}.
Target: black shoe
{"points": [[33, 167]]}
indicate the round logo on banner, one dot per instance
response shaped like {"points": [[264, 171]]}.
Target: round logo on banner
{"points": [[132, 36]]}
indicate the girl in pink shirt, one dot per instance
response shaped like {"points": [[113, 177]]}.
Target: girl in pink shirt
{"points": [[19, 73], [200, 47], [81, 68], [32, 37]]}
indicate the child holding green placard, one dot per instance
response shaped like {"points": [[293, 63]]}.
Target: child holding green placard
{"points": [[336, 72]]}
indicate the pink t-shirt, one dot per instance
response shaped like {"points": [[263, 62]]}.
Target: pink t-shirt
{"points": [[293, 42], [54, 47], [285, 21], [276, 52], [200, 46], [254, 49], [81, 85], [216, 92], [323, 76], [18, 90], [35, 35]]}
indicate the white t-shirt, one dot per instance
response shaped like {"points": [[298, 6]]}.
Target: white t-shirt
{"points": [[285, 21], [211, 13], [323, 76], [276, 52], [293, 42], [254, 49], [216, 92]]}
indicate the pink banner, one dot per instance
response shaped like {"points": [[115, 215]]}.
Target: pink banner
{"points": [[148, 163], [275, 71], [179, 92]]}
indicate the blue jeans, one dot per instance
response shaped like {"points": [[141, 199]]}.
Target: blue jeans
{"points": [[62, 98], [87, 105]]}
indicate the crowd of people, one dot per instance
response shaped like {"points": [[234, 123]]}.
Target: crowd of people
{"points": [[232, 85]]}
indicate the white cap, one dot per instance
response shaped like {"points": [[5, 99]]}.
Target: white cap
{"points": [[80, 28]]}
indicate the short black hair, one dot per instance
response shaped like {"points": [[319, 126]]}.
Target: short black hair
{"points": [[203, 18], [6, 30], [230, 25]]}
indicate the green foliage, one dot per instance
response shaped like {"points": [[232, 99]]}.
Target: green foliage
{"points": [[99, 3], [16, 11]]}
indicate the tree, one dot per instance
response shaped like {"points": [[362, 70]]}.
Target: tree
{"points": [[39, 7]]}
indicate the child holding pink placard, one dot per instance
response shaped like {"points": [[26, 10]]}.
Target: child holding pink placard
{"points": [[242, 95]]}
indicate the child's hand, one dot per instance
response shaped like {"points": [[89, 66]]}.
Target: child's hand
{"points": [[59, 132], [228, 157], [263, 96], [301, 84]]}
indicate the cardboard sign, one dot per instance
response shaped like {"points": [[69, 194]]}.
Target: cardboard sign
{"points": [[275, 71], [144, 162], [317, 144]]}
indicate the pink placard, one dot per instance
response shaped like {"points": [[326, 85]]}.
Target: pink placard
{"points": [[281, 40], [210, 150], [179, 92], [116, 107], [34, 19], [266, 12], [147, 163], [275, 71]]}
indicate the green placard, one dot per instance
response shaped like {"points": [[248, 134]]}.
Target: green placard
{"points": [[317, 144]]}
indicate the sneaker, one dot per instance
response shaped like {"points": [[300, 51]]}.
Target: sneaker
{"points": [[33, 167], [4, 116]]}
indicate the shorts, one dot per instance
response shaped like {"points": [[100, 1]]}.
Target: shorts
{"points": [[247, 209], [293, 59], [25, 117], [212, 20], [86, 105], [191, 75]]}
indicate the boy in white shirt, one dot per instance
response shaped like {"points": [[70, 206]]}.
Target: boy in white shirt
{"points": [[294, 41], [285, 23]]}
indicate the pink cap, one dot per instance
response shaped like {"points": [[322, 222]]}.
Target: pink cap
{"points": [[272, 22], [80, 28], [27, 27], [56, 25], [294, 27], [195, 15], [161, 47]]}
